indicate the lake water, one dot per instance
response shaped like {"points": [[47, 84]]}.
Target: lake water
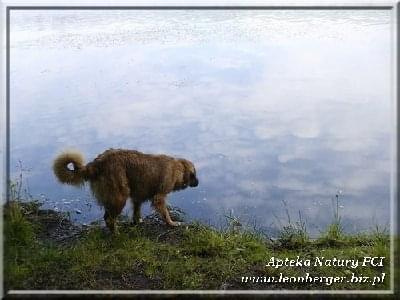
{"points": [[272, 106]]}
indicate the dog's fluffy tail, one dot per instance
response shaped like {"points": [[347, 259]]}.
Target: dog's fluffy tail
{"points": [[75, 175]]}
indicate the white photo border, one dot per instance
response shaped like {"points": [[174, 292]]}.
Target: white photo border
{"points": [[7, 6]]}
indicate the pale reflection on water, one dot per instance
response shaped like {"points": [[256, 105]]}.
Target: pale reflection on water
{"points": [[271, 106]]}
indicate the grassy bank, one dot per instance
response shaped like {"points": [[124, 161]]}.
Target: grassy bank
{"points": [[43, 250]]}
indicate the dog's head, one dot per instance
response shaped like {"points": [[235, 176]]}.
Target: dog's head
{"points": [[189, 175]]}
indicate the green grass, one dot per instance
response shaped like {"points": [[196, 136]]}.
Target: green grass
{"points": [[192, 257]]}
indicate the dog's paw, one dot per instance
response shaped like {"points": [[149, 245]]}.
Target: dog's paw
{"points": [[137, 222], [113, 233], [176, 224]]}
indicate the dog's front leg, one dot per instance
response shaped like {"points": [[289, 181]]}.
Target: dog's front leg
{"points": [[161, 207]]}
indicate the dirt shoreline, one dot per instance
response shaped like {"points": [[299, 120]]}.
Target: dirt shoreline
{"points": [[55, 227]]}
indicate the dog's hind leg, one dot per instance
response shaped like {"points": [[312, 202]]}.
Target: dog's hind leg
{"points": [[110, 221], [136, 212], [111, 214], [160, 205]]}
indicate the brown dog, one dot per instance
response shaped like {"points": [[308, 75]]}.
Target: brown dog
{"points": [[118, 174]]}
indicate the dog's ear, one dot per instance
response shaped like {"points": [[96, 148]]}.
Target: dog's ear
{"points": [[186, 171]]}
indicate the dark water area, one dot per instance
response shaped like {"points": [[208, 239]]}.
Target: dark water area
{"points": [[272, 107]]}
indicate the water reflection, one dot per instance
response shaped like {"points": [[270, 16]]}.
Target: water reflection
{"points": [[270, 106]]}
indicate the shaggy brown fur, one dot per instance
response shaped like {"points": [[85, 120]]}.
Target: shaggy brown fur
{"points": [[117, 174]]}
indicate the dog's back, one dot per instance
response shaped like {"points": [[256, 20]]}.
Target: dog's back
{"points": [[145, 174]]}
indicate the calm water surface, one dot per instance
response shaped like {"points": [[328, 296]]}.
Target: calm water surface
{"points": [[273, 107]]}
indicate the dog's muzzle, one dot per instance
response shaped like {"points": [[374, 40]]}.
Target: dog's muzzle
{"points": [[194, 182]]}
